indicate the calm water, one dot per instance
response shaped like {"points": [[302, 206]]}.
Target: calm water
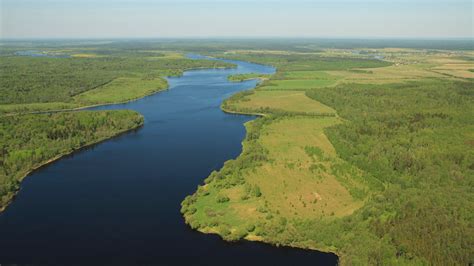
{"points": [[119, 201]]}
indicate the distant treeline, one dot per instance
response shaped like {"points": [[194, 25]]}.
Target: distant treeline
{"points": [[135, 46]]}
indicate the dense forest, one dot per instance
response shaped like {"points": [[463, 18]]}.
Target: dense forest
{"points": [[303, 62], [28, 141], [417, 139]]}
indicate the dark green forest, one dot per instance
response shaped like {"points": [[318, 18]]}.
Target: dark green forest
{"points": [[417, 139], [302, 62]]}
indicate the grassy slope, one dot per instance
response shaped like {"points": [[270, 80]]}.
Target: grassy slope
{"points": [[291, 187], [30, 141], [262, 101], [121, 90]]}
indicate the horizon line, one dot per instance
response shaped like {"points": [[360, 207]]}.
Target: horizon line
{"points": [[427, 38]]}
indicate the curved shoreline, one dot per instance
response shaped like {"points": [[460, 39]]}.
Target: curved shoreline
{"points": [[112, 103], [255, 238], [62, 155], [87, 145]]}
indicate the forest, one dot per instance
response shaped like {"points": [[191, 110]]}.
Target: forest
{"points": [[416, 139], [29, 141]]}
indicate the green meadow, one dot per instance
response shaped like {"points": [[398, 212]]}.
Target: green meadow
{"points": [[369, 160]]}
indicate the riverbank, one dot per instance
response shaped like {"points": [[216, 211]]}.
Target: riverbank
{"points": [[212, 209], [352, 182], [124, 121]]}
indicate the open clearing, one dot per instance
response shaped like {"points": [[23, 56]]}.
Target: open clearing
{"points": [[287, 101], [121, 90]]}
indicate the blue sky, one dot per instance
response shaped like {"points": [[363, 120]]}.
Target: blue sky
{"points": [[235, 18]]}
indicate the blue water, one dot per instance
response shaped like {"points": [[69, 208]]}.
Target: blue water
{"points": [[119, 201]]}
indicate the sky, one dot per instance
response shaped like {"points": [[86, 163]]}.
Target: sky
{"points": [[236, 18]]}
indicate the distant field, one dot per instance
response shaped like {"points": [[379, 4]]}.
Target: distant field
{"points": [[242, 77], [287, 101], [314, 75], [121, 90], [302, 84]]}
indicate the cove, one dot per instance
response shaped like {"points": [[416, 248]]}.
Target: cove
{"points": [[119, 201]]}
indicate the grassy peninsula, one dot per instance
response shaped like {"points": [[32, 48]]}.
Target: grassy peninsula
{"points": [[369, 159]]}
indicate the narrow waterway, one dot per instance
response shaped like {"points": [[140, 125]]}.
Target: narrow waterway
{"points": [[119, 201]]}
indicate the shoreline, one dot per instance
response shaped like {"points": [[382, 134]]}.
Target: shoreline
{"points": [[254, 238], [60, 156], [112, 103], [87, 145], [258, 239]]}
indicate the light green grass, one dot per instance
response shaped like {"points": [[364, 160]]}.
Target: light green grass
{"points": [[308, 75], [249, 76], [303, 84], [279, 100], [121, 90], [293, 183]]}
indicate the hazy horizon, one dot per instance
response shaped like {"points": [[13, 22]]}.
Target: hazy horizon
{"points": [[228, 19]]}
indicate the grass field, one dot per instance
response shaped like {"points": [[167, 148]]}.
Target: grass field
{"points": [[303, 75], [121, 90], [298, 180], [243, 77], [302, 84], [286, 101]]}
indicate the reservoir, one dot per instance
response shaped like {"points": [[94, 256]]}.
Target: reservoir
{"points": [[119, 201]]}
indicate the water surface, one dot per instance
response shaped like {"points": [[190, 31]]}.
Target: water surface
{"points": [[119, 201]]}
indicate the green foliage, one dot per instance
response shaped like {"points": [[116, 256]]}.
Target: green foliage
{"points": [[256, 191], [248, 76], [222, 199], [416, 139], [314, 152], [29, 141], [308, 62], [44, 80]]}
